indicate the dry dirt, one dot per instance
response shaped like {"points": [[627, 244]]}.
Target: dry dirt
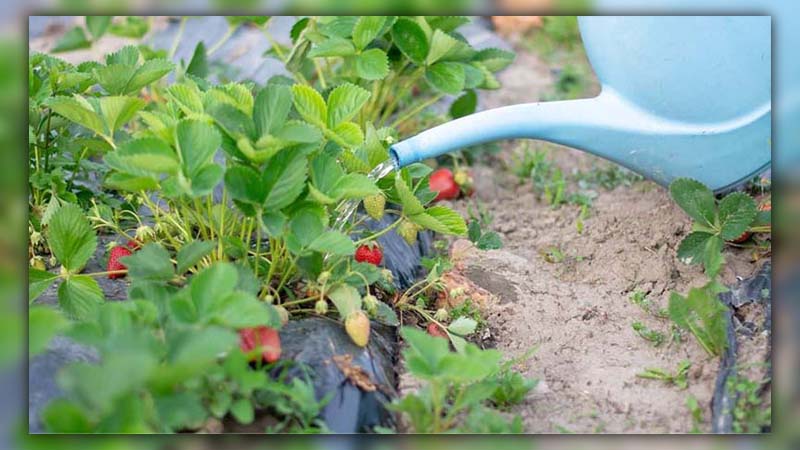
{"points": [[577, 313]]}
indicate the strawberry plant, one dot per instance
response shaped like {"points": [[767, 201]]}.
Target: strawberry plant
{"points": [[459, 387], [236, 201], [714, 222]]}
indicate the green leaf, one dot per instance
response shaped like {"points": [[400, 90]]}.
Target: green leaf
{"points": [[441, 220], [305, 227], [43, 323], [695, 199], [132, 183], [210, 287], [310, 105], [489, 241], [198, 65], [494, 59], [64, 416], [272, 105], [78, 110], [126, 56], [692, 248], [196, 142], [344, 102], [447, 77], [180, 410], [737, 211], [464, 105], [150, 71], [206, 179], [463, 326], [151, 262], [346, 299], [441, 44], [333, 46], [411, 204], [353, 185], [424, 353], [97, 25], [712, 258], [143, 156], [244, 184], [284, 179], [73, 39], [71, 237], [132, 27], [366, 29], [242, 411], [350, 134], [372, 64], [79, 296], [119, 110], [333, 242], [38, 282], [187, 97], [411, 39], [242, 310], [198, 348], [191, 253]]}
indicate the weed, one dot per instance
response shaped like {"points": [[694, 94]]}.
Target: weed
{"points": [[655, 337], [696, 412], [456, 385], [512, 388], [469, 310], [677, 378], [751, 414]]}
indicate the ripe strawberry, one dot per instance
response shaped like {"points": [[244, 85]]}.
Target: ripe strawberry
{"points": [[408, 231], [374, 205], [436, 331], [444, 185], [265, 340], [370, 253], [357, 326], [113, 261]]}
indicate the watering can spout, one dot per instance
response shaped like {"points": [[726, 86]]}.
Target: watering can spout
{"points": [[574, 122], [681, 97]]}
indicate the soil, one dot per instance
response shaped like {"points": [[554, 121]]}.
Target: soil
{"points": [[577, 313]]}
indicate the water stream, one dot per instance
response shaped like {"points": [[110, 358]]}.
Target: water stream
{"points": [[346, 210]]}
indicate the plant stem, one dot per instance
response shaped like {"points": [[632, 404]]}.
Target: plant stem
{"points": [[222, 40], [416, 110], [177, 40], [379, 233]]}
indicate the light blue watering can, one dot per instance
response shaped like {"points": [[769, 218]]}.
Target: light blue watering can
{"points": [[681, 97]]}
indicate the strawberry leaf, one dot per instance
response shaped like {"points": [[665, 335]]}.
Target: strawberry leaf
{"points": [[411, 39], [79, 297], [71, 237], [736, 212], [695, 199], [344, 102]]}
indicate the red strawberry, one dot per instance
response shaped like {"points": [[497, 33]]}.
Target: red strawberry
{"points": [[444, 185], [436, 331], [263, 339], [133, 244], [369, 253], [113, 261]]}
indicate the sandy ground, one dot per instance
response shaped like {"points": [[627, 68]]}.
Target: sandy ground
{"points": [[577, 313]]}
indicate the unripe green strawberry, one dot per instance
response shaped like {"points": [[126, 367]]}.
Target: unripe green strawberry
{"points": [[441, 315], [323, 277], [357, 326], [371, 304], [283, 313], [461, 177], [321, 307], [374, 205], [408, 231]]}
